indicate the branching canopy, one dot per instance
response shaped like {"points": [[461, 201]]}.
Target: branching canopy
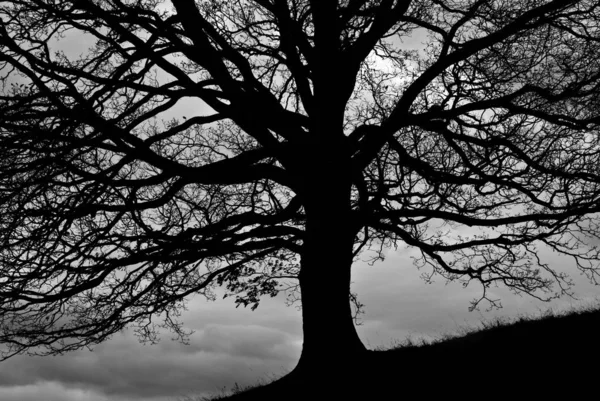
{"points": [[475, 148]]}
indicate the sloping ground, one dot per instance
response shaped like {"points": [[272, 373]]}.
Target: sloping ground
{"points": [[556, 356]]}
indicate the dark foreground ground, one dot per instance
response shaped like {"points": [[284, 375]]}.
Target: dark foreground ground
{"points": [[549, 357]]}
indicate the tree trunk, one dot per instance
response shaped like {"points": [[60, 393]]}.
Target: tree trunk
{"points": [[330, 341]]}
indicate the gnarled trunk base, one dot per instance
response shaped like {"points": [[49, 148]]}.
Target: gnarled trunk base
{"points": [[331, 343]]}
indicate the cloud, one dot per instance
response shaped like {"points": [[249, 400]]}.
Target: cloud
{"points": [[398, 303], [248, 342], [219, 356], [48, 391]]}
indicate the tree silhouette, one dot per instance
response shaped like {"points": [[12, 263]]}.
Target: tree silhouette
{"points": [[320, 135]]}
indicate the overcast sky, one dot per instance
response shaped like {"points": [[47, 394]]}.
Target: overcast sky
{"points": [[240, 346], [237, 345]]}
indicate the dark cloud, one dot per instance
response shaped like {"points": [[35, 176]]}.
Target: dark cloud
{"points": [[124, 369], [247, 341]]}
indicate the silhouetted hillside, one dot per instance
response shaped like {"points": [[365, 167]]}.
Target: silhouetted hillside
{"points": [[555, 355]]}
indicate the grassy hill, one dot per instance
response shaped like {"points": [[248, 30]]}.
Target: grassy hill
{"points": [[549, 356]]}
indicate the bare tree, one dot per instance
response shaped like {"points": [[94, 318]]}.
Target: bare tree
{"points": [[323, 136]]}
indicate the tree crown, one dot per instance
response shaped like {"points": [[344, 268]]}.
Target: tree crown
{"points": [[475, 148]]}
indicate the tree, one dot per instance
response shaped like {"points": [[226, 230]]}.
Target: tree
{"points": [[325, 136]]}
